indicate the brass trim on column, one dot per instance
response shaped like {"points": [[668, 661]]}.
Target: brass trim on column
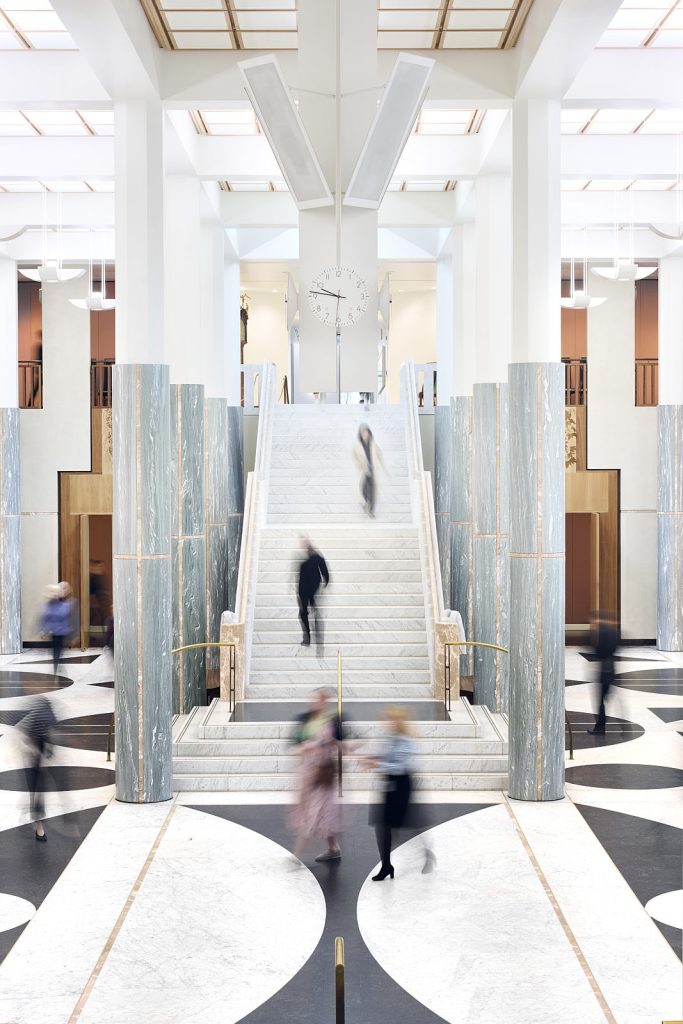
{"points": [[339, 979], [447, 662]]}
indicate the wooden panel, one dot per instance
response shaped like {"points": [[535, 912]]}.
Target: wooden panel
{"points": [[587, 492], [30, 321], [579, 589], [574, 333], [647, 319]]}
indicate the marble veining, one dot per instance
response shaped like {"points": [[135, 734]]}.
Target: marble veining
{"points": [[670, 528], [462, 558], [142, 582], [536, 460], [10, 534]]}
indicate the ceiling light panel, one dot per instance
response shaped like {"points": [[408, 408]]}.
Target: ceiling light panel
{"points": [[282, 125], [394, 120], [32, 25], [56, 122], [454, 24]]}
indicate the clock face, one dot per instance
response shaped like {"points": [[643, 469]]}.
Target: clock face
{"points": [[338, 296]]}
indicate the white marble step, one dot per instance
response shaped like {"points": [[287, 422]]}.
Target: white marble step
{"points": [[276, 540], [265, 764], [357, 782], [384, 641], [408, 614], [340, 592], [363, 572], [303, 659], [338, 628], [318, 511], [305, 520], [391, 691]]}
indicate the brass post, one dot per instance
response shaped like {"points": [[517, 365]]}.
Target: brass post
{"points": [[339, 969], [339, 716]]}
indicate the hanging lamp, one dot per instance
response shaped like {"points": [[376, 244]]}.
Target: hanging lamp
{"points": [[624, 269], [96, 302], [579, 298], [52, 272], [664, 231]]}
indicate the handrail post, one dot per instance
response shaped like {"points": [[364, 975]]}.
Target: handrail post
{"points": [[568, 723], [447, 676], [339, 979], [340, 751]]}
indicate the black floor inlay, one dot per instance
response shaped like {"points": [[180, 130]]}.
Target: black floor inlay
{"points": [[21, 684], [663, 680], [66, 659], [625, 776], [60, 778], [372, 997], [668, 714], [354, 711], [618, 731], [647, 853], [87, 733], [109, 684], [589, 656], [29, 869]]}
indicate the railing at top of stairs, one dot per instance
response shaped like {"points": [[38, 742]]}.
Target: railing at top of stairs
{"points": [[237, 626], [443, 626]]}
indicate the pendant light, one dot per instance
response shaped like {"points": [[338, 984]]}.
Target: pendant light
{"points": [[96, 302], [665, 232], [624, 269], [579, 298], [52, 272]]}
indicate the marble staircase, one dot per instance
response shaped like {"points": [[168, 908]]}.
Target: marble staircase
{"points": [[373, 610], [213, 753]]}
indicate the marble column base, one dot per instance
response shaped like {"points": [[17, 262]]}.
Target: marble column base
{"points": [[224, 482], [142, 582], [10, 534], [536, 440], [670, 528], [188, 544], [461, 531], [490, 505]]}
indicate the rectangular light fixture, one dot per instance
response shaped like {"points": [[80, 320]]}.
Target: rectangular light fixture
{"points": [[396, 114], [284, 129]]}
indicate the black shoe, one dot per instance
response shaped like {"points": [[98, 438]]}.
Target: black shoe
{"points": [[597, 730], [305, 643], [40, 839], [384, 873]]}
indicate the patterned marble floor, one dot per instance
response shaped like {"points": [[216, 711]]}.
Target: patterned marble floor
{"points": [[567, 912]]}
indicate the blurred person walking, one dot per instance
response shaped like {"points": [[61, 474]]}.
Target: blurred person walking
{"points": [[37, 725], [394, 812], [367, 456], [317, 739], [606, 644], [313, 572], [58, 619]]}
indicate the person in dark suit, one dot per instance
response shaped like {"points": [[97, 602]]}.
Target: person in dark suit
{"points": [[606, 643], [313, 572]]}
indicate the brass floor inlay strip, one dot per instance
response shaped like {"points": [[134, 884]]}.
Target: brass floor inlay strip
{"points": [[102, 959]]}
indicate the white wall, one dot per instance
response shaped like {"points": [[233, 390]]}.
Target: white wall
{"points": [[621, 436], [54, 438], [267, 337], [412, 332]]}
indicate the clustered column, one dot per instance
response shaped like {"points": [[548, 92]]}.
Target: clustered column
{"points": [[536, 418], [670, 457], [188, 544], [10, 529]]}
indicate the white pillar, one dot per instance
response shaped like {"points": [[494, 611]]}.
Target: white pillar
{"points": [[10, 536], [186, 344], [464, 307], [536, 445], [493, 226], [670, 457]]}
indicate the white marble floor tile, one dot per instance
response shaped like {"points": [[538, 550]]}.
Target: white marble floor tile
{"points": [[636, 969], [220, 923], [477, 941]]}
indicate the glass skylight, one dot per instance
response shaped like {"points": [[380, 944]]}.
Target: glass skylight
{"points": [[638, 23], [32, 25], [615, 121], [56, 186], [56, 122], [435, 121], [241, 121], [619, 185], [272, 24]]}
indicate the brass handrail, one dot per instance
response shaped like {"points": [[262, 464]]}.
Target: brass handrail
{"points": [[339, 971], [231, 666], [447, 663], [568, 724], [191, 647], [340, 750]]}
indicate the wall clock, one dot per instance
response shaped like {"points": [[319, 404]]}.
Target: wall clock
{"points": [[338, 296]]}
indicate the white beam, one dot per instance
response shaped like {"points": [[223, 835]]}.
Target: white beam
{"points": [[594, 208], [243, 156], [558, 38], [210, 79], [51, 79], [116, 40], [76, 247], [619, 156], [84, 209], [50, 159], [628, 78]]}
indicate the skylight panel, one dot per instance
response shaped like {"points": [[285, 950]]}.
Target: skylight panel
{"points": [[574, 184], [670, 38], [650, 23], [652, 184], [426, 185], [472, 40], [203, 40], [66, 186], [36, 21], [266, 21], [396, 21], [22, 186], [459, 19], [196, 20], [608, 184], [32, 24], [664, 122], [613, 121], [101, 186]]}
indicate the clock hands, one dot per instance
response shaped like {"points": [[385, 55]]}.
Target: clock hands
{"points": [[324, 291]]}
